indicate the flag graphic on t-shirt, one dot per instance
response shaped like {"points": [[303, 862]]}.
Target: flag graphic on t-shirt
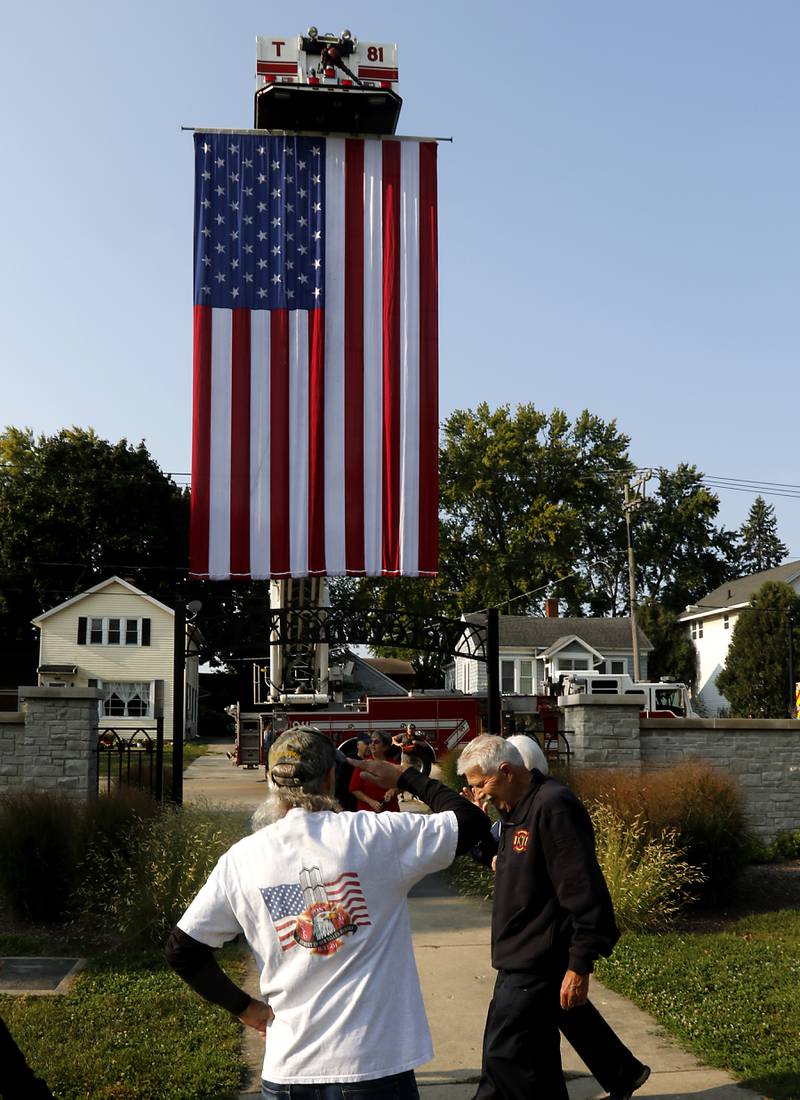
{"points": [[316, 915]]}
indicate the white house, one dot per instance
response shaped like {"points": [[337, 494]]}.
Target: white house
{"points": [[710, 623], [534, 651], [117, 638]]}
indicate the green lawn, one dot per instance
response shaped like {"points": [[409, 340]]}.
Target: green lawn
{"points": [[732, 997], [128, 1029]]}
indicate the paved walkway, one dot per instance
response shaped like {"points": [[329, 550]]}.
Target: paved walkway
{"points": [[214, 778], [451, 944]]}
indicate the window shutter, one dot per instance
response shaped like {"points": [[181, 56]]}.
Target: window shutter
{"points": [[82, 630], [145, 632]]}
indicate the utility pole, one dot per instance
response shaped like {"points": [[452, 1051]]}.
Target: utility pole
{"points": [[633, 497]]}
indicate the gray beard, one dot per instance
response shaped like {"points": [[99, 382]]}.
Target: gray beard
{"points": [[277, 804]]}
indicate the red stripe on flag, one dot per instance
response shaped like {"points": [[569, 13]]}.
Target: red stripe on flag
{"points": [[428, 363], [391, 357], [279, 442], [354, 356], [240, 443], [201, 443], [316, 441]]}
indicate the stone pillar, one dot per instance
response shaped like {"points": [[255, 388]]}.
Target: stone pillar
{"points": [[12, 732], [59, 746], [602, 730]]}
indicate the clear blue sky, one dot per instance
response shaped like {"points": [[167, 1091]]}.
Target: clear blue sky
{"points": [[619, 212]]}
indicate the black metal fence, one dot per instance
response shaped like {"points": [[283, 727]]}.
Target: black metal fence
{"points": [[132, 759]]}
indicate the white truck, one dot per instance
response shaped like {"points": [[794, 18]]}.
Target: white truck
{"points": [[662, 699]]}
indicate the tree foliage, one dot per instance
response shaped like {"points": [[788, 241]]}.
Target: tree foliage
{"points": [[755, 679], [673, 656], [75, 509], [531, 504], [760, 546]]}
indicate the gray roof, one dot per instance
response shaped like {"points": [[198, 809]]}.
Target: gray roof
{"points": [[602, 634], [742, 590]]}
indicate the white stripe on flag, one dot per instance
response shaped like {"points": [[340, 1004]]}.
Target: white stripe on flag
{"points": [[219, 541], [373, 357], [298, 442], [259, 443], [409, 359], [335, 276]]}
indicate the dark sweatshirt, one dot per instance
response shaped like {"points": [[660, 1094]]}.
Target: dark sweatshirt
{"points": [[552, 909]]}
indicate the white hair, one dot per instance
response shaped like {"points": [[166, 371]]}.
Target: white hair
{"points": [[279, 800], [531, 752], [487, 753]]}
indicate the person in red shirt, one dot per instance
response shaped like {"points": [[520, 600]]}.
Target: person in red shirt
{"points": [[368, 795]]}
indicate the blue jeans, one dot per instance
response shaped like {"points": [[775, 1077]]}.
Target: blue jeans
{"points": [[400, 1086]]}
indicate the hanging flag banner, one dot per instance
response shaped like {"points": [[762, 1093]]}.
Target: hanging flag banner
{"points": [[315, 432]]}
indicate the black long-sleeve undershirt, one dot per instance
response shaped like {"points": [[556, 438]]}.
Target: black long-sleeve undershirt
{"points": [[473, 824]]}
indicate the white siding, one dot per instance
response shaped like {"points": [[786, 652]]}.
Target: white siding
{"points": [[712, 652], [59, 646]]}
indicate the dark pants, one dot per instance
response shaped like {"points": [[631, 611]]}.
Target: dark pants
{"points": [[400, 1086], [522, 1048], [17, 1081]]}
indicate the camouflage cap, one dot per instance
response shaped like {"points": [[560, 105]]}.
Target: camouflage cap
{"points": [[300, 755]]}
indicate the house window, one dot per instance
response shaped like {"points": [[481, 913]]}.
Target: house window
{"points": [[526, 677], [618, 668], [507, 677], [126, 699], [726, 622], [516, 677], [573, 664], [697, 630], [115, 631]]}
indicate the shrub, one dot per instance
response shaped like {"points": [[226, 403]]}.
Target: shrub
{"points": [[138, 889], [785, 846], [648, 879], [703, 807], [45, 840], [39, 853]]}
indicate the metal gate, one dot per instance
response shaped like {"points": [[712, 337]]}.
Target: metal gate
{"points": [[131, 759]]}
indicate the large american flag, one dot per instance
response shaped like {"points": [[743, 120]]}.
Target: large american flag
{"points": [[315, 448], [285, 903]]}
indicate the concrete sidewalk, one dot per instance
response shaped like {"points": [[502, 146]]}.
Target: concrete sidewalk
{"points": [[451, 944], [214, 778]]}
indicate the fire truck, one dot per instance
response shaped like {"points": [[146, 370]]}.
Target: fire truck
{"points": [[442, 722], [662, 699]]}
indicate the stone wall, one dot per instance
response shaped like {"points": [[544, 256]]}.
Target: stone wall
{"points": [[762, 755], [51, 743]]}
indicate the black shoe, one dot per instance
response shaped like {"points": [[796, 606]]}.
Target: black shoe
{"points": [[627, 1092]]}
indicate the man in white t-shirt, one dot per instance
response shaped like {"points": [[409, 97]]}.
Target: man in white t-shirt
{"points": [[320, 896]]}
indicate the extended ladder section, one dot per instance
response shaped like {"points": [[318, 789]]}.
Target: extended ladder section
{"points": [[298, 674]]}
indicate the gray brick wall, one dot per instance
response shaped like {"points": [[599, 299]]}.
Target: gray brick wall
{"points": [[51, 743], [762, 755]]}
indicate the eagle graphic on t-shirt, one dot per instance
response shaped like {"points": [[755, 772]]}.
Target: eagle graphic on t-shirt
{"points": [[314, 914]]}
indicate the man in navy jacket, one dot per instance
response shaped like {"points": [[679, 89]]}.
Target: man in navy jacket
{"points": [[552, 919]]}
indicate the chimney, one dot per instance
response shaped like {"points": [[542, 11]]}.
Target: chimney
{"points": [[551, 607]]}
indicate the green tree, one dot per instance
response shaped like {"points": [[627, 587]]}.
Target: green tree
{"points": [[760, 546], [532, 502], [527, 497], [75, 509], [755, 679], [673, 657], [681, 553]]}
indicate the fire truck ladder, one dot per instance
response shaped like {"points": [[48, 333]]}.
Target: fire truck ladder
{"points": [[298, 661]]}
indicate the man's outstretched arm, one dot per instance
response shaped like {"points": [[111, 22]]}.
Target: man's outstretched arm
{"points": [[473, 824]]}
